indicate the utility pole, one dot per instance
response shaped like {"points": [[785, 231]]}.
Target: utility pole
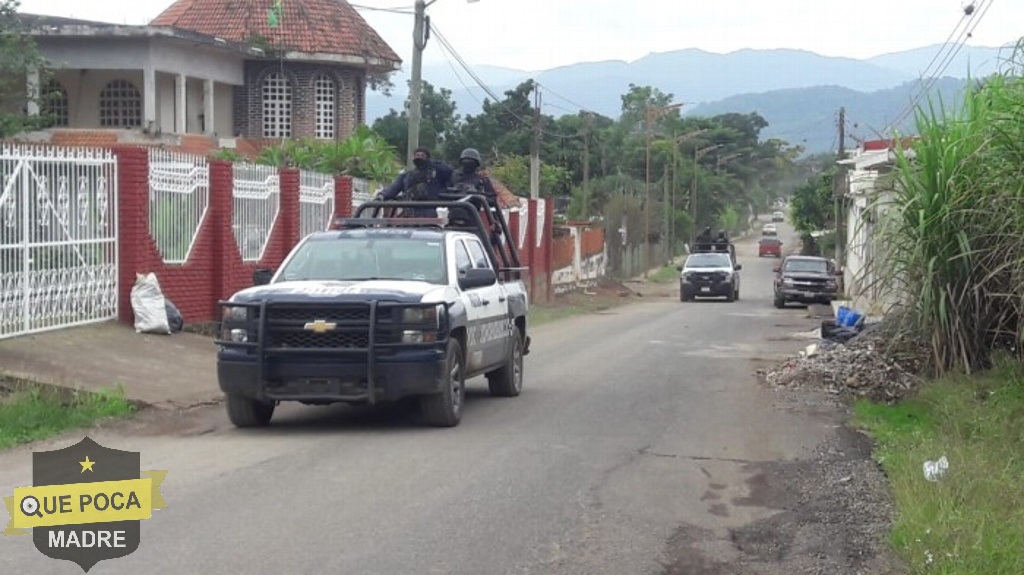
{"points": [[693, 199], [670, 217], [647, 191], [535, 146], [419, 43], [664, 209], [586, 166], [837, 184]]}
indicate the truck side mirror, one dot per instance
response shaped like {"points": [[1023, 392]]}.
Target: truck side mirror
{"points": [[476, 277], [262, 276], [679, 268], [777, 268], [738, 267]]}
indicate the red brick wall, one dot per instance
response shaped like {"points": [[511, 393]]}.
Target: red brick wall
{"points": [[215, 270], [562, 247], [592, 242]]}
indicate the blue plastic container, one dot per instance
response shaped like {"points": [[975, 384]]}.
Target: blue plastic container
{"points": [[849, 319], [841, 314]]}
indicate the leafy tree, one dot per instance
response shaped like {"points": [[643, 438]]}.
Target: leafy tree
{"points": [[811, 204], [438, 122], [18, 56], [514, 172]]}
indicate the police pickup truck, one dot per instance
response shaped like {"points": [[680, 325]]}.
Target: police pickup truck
{"points": [[380, 309]]}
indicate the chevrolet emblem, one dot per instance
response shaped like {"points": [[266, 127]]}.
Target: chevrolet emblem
{"points": [[320, 326]]}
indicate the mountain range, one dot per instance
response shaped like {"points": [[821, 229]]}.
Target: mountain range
{"points": [[798, 92]]}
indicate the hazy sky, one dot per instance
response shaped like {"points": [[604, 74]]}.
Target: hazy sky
{"points": [[540, 34]]}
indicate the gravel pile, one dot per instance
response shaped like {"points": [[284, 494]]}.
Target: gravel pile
{"points": [[862, 367]]}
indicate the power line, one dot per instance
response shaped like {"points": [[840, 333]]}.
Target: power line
{"points": [[564, 99], [403, 10], [462, 63], [975, 17]]}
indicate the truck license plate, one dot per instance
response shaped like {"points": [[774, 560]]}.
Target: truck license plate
{"points": [[705, 289]]}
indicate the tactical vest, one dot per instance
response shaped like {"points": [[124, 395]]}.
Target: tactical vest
{"points": [[417, 183]]}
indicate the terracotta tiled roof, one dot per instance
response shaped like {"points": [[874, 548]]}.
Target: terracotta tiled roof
{"points": [[308, 26], [88, 138]]}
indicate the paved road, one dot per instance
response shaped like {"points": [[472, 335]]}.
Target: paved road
{"points": [[634, 424]]}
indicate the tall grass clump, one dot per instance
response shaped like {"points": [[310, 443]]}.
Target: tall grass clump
{"points": [[953, 234]]}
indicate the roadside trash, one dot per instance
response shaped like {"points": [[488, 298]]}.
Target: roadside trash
{"points": [[934, 470], [831, 331], [174, 319], [810, 351], [148, 305], [846, 317]]}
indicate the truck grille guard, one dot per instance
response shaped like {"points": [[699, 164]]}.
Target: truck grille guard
{"points": [[364, 319]]}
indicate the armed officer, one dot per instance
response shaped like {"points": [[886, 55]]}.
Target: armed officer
{"points": [[425, 182], [472, 176]]}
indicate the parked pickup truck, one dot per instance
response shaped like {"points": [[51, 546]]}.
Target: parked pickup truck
{"points": [[381, 309], [806, 279]]}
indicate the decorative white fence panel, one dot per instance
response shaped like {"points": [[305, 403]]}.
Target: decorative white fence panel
{"points": [[58, 238], [256, 204], [362, 191], [179, 197], [316, 202]]}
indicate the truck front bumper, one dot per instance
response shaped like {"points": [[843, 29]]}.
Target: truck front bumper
{"points": [[326, 379]]}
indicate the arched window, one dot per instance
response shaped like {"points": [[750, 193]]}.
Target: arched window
{"points": [[324, 92], [277, 106], [120, 105], [54, 103]]}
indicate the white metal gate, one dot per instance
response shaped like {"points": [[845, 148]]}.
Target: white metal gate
{"points": [[58, 238]]}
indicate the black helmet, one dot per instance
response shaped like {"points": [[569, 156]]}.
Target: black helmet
{"points": [[470, 154]]}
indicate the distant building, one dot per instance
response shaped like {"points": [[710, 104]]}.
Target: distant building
{"points": [[205, 67]]}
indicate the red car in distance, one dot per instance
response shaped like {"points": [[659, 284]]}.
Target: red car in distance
{"points": [[769, 246]]}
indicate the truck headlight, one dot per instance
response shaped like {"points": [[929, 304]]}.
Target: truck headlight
{"points": [[235, 313], [428, 315], [238, 335], [831, 284], [787, 281]]}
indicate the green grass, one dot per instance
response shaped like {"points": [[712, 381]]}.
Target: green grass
{"points": [[37, 413], [971, 521], [664, 275]]}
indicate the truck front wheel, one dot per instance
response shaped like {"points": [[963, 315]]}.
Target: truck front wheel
{"points": [[247, 412], [444, 409], [507, 381]]}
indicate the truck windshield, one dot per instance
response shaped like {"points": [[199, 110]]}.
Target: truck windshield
{"points": [[708, 261], [814, 266], [356, 259]]}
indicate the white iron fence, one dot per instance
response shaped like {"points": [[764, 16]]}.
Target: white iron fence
{"points": [[179, 197], [58, 238], [316, 202], [256, 204]]}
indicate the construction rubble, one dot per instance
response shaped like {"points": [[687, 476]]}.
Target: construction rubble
{"points": [[859, 367]]}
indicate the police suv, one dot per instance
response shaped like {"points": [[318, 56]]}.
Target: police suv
{"points": [[381, 309]]}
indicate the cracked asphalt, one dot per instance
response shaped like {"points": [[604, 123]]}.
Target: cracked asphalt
{"points": [[642, 444]]}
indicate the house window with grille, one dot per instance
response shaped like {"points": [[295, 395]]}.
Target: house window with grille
{"points": [[120, 105], [54, 104], [277, 106], [324, 92]]}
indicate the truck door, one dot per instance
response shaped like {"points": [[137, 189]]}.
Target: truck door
{"points": [[487, 332]]}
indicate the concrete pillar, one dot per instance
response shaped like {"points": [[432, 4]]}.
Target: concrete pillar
{"points": [[180, 104], [149, 119], [33, 90], [209, 105]]}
